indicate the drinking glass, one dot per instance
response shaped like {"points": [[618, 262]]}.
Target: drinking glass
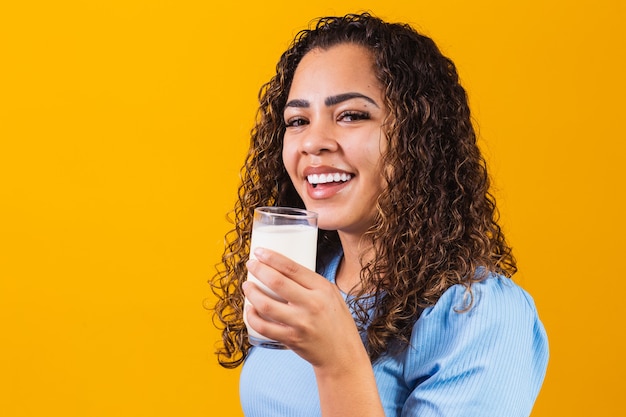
{"points": [[289, 231]]}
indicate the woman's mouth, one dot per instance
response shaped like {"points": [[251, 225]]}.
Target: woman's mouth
{"points": [[316, 179]]}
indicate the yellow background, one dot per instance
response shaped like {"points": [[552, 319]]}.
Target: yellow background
{"points": [[123, 125]]}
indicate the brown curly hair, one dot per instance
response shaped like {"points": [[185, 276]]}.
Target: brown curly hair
{"points": [[436, 223]]}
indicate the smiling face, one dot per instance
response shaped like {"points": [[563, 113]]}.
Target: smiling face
{"points": [[334, 140]]}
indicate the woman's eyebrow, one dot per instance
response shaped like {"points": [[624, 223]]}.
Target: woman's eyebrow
{"points": [[331, 101], [297, 103]]}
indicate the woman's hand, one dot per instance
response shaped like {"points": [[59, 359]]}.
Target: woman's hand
{"points": [[314, 321]]}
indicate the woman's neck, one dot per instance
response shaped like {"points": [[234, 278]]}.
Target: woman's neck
{"points": [[356, 253]]}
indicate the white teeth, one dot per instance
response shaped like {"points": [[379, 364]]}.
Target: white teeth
{"points": [[326, 178]]}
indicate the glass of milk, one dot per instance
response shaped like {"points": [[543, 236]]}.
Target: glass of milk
{"points": [[289, 231]]}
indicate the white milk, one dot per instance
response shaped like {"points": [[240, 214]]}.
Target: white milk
{"points": [[297, 242]]}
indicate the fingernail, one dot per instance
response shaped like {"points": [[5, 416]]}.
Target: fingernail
{"points": [[259, 253]]}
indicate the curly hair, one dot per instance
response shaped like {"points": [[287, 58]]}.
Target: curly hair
{"points": [[436, 223]]}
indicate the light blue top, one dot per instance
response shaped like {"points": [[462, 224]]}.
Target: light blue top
{"points": [[487, 362]]}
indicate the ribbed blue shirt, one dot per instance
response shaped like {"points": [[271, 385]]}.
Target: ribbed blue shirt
{"points": [[487, 362]]}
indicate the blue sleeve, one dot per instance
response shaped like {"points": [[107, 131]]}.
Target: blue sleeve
{"points": [[487, 362]]}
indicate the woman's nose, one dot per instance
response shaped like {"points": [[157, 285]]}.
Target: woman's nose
{"points": [[319, 138]]}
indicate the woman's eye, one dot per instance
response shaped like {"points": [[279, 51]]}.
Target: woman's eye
{"points": [[295, 122], [353, 116]]}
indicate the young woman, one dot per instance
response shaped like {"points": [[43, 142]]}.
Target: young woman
{"points": [[411, 311]]}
